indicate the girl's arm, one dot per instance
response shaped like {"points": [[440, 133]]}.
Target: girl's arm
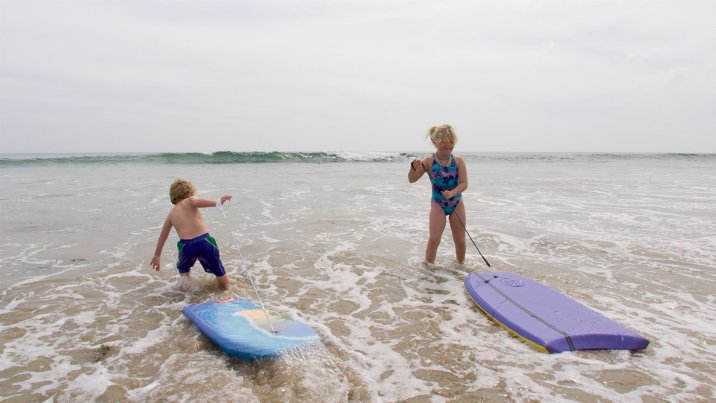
{"points": [[418, 168], [462, 183]]}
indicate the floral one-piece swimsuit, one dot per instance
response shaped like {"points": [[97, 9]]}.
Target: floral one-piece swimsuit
{"points": [[445, 178]]}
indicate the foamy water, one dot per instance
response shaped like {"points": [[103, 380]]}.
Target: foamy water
{"points": [[339, 245]]}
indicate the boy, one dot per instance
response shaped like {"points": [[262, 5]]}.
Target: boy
{"points": [[195, 241]]}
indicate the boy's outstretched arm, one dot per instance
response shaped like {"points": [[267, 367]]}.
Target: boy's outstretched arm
{"points": [[200, 203], [156, 260]]}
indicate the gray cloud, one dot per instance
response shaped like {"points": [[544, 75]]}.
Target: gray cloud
{"points": [[79, 76]]}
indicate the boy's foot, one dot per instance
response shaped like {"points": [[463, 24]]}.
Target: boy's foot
{"points": [[223, 281], [185, 283]]}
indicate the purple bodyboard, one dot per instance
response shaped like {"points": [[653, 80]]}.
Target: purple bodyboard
{"points": [[551, 321]]}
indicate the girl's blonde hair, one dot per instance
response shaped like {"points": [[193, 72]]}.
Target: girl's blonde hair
{"points": [[180, 190], [442, 134]]}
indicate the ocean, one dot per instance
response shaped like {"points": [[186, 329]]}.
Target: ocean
{"points": [[336, 240]]}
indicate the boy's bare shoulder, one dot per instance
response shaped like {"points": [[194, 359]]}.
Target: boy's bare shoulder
{"points": [[180, 208], [172, 213], [183, 203]]}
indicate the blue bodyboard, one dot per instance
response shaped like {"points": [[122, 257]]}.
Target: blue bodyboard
{"points": [[239, 328]]}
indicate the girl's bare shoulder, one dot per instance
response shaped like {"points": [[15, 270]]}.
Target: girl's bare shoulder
{"points": [[428, 163], [460, 162]]}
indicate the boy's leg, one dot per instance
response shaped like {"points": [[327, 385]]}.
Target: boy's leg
{"points": [[223, 281], [211, 261], [185, 262], [436, 226], [458, 232], [185, 281]]}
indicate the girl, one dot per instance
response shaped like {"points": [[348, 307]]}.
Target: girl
{"points": [[448, 174]]}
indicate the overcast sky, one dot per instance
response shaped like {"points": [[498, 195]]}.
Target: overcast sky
{"points": [[363, 75]]}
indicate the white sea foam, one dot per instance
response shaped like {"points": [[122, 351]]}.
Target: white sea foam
{"points": [[368, 156]]}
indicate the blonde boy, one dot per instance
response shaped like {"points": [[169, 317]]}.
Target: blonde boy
{"points": [[195, 242]]}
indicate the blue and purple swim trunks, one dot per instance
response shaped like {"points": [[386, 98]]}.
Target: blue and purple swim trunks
{"points": [[202, 248]]}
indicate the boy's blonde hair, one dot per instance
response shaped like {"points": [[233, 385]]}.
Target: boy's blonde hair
{"points": [[180, 190], [442, 134]]}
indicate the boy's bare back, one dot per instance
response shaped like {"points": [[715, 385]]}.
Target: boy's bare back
{"points": [[186, 218]]}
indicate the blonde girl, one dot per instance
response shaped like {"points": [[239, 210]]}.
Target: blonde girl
{"points": [[448, 175]]}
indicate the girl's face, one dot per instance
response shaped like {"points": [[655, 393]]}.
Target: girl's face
{"points": [[444, 148]]}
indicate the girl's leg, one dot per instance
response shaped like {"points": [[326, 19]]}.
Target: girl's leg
{"points": [[436, 226], [458, 232]]}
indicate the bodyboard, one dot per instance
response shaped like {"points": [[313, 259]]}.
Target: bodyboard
{"points": [[239, 327], [548, 320]]}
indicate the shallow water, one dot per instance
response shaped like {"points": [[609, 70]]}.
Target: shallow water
{"points": [[339, 246]]}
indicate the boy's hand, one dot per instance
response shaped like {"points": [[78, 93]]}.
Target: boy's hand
{"points": [[220, 201], [155, 263]]}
